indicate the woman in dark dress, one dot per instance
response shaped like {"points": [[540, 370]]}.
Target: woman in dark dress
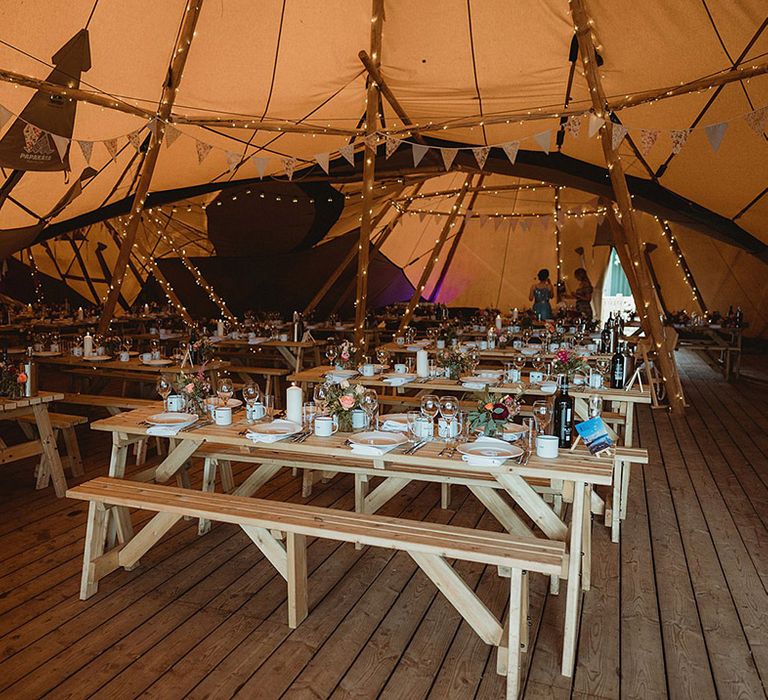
{"points": [[583, 294]]}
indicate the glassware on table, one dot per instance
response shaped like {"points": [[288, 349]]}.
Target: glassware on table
{"points": [[331, 353], [383, 357], [410, 364], [416, 425], [595, 406], [320, 394], [519, 362], [251, 396], [308, 413], [449, 407], [603, 364], [269, 406], [164, 388], [542, 414], [538, 362], [224, 390], [154, 348], [369, 401]]}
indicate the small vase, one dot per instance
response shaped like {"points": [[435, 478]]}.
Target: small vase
{"points": [[345, 421]]}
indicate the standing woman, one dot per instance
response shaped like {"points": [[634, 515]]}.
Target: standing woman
{"points": [[541, 293], [583, 294]]}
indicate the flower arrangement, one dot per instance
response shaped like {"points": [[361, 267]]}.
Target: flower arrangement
{"points": [[568, 363], [340, 400], [491, 415], [194, 389], [12, 380], [346, 357], [455, 362], [447, 334], [201, 350]]}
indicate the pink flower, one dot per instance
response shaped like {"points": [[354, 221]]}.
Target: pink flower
{"points": [[563, 356], [189, 388], [21, 378], [347, 402], [345, 355]]}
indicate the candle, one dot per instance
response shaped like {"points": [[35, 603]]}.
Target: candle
{"points": [[87, 344], [422, 363], [80, 315], [146, 309], [514, 314], [498, 321], [220, 328], [294, 400]]}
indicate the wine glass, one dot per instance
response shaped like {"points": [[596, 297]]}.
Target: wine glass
{"points": [[542, 413], [603, 364], [595, 406], [383, 357], [415, 422], [369, 401], [449, 410], [320, 395], [331, 352], [164, 388], [224, 390], [251, 396], [430, 406], [519, 362], [538, 362]]}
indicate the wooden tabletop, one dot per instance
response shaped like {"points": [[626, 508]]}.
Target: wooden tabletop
{"points": [[507, 353], [570, 465], [41, 397], [133, 365]]}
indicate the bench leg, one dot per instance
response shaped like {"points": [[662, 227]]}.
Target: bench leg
{"points": [[307, 479], [297, 579], [141, 452], [73, 451], [209, 486], [517, 617], [225, 475], [445, 496], [95, 539]]}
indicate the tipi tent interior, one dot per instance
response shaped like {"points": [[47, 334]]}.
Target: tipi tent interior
{"points": [[338, 211]]}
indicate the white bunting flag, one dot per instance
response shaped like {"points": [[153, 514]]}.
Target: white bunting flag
{"points": [[513, 224], [511, 148], [543, 138], [497, 221], [390, 145], [289, 165], [348, 152], [111, 146], [418, 153], [371, 141], [595, 123], [261, 165], [134, 140], [5, 115], [61, 143], [422, 216], [647, 140], [757, 120], [573, 125], [679, 138], [449, 154], [525, 225], [203, 149], [322, 160], [715, 133], [618, 132], [154, 125], [171, 134], [233, 160], [87, 148], [481, 155]]}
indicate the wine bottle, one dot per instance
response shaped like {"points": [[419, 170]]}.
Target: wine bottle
{"points": [[563, 411], [617, 370]]}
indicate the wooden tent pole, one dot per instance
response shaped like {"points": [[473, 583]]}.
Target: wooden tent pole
{"points": [[650, 310], [369, 160], [456, 240], [175, 72], [434, 255]]}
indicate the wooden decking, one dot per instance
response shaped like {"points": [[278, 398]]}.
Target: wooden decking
{"points": [[678, 609]]}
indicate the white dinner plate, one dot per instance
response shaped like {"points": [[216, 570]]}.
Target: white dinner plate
{"points": [[157, 363], [97, 358], [514, 431], [378, 438], [399, 418], [46, 353], [172, 419], [278, 427], [469, 379], [339, 374], [215, 401], [530, 352], [488, 449], [398, 375], [488, 374]]}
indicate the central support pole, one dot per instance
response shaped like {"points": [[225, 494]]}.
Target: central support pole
{"points": [[172, 82], [369, 154]]}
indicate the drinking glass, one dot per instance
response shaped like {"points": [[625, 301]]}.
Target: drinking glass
{"points": [[331, 352], [415, 419], [410, 364], [383, 357], [269, 406], [603, 365], [320, 394], [595, 406], [308, 412], [430, 406], [224, 390], [449, 407], [369, 402], [542, 413], [519, 362], [538, 362], [164, 388], [251, 395]]}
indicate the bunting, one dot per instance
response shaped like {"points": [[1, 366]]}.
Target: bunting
{"points": [[511, 148], [371, 141], [390, 145], [5, 115], [87, 148], [543, 138], [618, 132], [233, 160], [203, 149], [61, 143], [171, 134], [594, 125], [111, 146], [715, 133], [757, 120], [481, 155], [418, 153], [261, 165], [573, 125], [133, 139], [289, 165], [647, 140], [348, 151], [448, 154], [322, 160], [679, 138]]}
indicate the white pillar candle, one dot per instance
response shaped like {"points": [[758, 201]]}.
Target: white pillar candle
{"points": [[146, 309], [514, 314], [80, 315], [294, 400], [87, 345], [422, 363], [220, 328]]}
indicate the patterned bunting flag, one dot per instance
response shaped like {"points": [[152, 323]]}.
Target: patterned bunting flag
{"points": [[418, 153], [134, 140], [322, 160], [511, 148], [111, 146], [543, 138], [573, 125], [371, 141], [647, 140], [261, 165], [679, 138], [390, 145], [618, 132], [289, 165], [715, 133], [203, 149], [348, 151], [757, 120], [87, 148], [449, 154], [171, 134], [595, 123], [481, 155], [233, 160]]}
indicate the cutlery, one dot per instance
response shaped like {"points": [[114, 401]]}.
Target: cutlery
{"points": [[196, 425], [306, 435], [417, 447]]}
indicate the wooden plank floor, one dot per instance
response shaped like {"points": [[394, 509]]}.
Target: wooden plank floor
{"points": [[679, 609]]}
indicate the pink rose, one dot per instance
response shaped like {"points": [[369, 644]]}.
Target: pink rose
{"points": [[345, 355], [347, 402], [189, 388], [563, 356]]}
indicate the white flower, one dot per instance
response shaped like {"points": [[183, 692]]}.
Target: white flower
{"points": [[359, 389], [344, 384]]}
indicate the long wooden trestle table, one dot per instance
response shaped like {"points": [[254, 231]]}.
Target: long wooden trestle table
{"points": [[538, 487]]}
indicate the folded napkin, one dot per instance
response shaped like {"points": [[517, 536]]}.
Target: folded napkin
{"points": [[165, 430], [474, 385], [393, 426], [397, 381], [371, 450], [269, 438], [548, 387], [480, 461]]}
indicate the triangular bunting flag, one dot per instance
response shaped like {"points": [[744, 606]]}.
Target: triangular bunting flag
{"points": [[510, 149], [573, 125], [171, 134], [497, 222], [5, 115], [679, 137], [87, 148], [261, 165], [600, 218], [525, 225], [618, 132], [233, 160], [543, 138], [322, 160], [289, 165], [348, 152], [513, 225], [390, 145], [153, 126], [481, 155], [371, 140], [422, 216], [203, 149], [61, 143], [134, 139], [111, 146], [483, 220], [418, 153], [715, 133], [647, 140], [757, 120], [448, 156], [595, 123]]}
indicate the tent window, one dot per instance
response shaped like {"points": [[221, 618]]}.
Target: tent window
{"points": [[615, 280]]}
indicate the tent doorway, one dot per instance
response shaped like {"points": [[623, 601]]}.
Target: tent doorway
{"points": [[617, 296]]}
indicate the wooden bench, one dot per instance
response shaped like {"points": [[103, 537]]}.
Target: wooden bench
{"points": [[430, 545], [64, 424]]}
